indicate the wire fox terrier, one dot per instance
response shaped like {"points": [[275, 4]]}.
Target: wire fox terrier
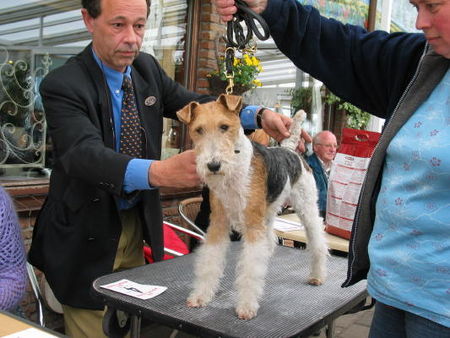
{"points": [[248, 185]]}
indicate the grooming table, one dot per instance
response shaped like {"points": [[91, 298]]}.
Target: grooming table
{"points": [[289, 306]]}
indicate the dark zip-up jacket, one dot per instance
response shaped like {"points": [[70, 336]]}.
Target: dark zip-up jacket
{"points": [[388, 75]]}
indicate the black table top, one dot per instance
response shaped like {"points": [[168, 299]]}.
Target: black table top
{"points": [[289, 306]]}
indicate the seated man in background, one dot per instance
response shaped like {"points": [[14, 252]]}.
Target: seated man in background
{"points": [[324, 147]]}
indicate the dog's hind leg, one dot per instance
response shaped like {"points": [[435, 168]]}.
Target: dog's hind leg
{"points": [[304, 199], [272, 238], [210, 260]]}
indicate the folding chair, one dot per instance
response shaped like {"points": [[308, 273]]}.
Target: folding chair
{"points": [[37, 293], [188, 210], [45, 299]]}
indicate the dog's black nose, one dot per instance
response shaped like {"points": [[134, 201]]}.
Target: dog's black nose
{"points": [[214, 166]]}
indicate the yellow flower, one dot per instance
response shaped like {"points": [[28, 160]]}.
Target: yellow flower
{"points": [[245, 70], [248, 60], [257, 83]]}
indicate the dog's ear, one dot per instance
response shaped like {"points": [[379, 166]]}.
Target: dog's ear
{"points": [[232, 102], [185, 114]]}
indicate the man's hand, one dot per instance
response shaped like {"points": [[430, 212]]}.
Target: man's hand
{"points": [[276, 125], [178, 171], [226, 8], [304, 138]]}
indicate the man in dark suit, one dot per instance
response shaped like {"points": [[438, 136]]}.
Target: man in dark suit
{"points": [[103, 202]]}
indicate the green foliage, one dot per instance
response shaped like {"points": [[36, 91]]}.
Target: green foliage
{"points": [[301, 98], [356, 118]]}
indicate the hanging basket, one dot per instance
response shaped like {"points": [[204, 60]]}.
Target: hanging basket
{"points": [[217, 86]]}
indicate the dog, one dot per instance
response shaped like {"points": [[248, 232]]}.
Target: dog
{"points": [[248, 184]]}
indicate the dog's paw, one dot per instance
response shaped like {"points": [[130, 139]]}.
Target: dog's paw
{"points": [[197, 301], [246, 312], [315, 281]]}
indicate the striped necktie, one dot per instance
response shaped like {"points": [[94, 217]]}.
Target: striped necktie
{"points": [[130, 129]]}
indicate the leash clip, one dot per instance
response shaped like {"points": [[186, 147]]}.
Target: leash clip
{"points": [[229, 73], [229, 88]]}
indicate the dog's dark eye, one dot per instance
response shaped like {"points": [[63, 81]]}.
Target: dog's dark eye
{"points": [[224, 127], [199, 130]]}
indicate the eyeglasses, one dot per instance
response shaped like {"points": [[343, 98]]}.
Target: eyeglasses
{"points": [[327, 145]]}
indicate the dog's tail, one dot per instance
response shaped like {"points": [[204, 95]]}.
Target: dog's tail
{"points": [[296, 129]]}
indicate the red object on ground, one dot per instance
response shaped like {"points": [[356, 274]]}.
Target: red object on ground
{"points": [[171, 241]]}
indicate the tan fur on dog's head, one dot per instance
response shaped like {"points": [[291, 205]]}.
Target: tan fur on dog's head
{"points": [[210, 117], [215, 129], [232, 103]]}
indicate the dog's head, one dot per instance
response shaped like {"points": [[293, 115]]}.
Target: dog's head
{"points": [[214, 128]]}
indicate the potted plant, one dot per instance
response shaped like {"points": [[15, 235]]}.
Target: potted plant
{"points": [[356, 118], [245, 69], [301, 98]]}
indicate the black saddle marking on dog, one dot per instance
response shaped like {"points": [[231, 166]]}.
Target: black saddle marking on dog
{"points": [[281, 163]]}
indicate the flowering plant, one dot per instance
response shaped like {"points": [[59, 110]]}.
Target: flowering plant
{"points": [[245, 69]]}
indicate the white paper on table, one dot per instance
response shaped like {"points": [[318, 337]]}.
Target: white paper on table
{"points": [[141, 291], [285, 225], [30, 333]]}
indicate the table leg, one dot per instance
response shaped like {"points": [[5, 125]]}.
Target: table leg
{"points": [[135, 326], [330, 329]]}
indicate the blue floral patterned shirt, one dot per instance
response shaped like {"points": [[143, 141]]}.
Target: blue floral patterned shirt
{"points": [[409, 248]]}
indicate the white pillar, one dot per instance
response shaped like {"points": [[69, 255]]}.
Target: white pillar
{"points": [[386, 15]]}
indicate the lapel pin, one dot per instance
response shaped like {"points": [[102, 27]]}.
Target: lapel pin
{"points": [[150, 101]]}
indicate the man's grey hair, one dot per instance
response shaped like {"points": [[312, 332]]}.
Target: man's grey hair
{"points": [[317, 139]]}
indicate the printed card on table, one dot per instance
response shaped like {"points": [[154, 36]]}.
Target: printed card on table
{"points": [[141, 291], [285, 225]]}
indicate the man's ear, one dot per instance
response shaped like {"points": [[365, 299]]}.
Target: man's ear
{"points": [[185, 114], [88, 20], [232, 102]]}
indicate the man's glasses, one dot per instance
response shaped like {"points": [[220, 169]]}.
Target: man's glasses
{"points": [[329, 146]]}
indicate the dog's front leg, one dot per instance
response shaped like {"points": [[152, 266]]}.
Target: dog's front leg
{"points": [[210, 260], [252, 268]]}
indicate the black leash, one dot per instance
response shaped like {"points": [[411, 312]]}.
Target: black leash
{"points": [[237, 39]]}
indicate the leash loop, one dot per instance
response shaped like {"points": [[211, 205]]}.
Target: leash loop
{"points": [[235, 32]]}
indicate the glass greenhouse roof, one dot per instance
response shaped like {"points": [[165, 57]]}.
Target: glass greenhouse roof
{"points": [[58, 23]]}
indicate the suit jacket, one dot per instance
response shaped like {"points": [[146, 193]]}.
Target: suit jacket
{"points": [[78, 228]]}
